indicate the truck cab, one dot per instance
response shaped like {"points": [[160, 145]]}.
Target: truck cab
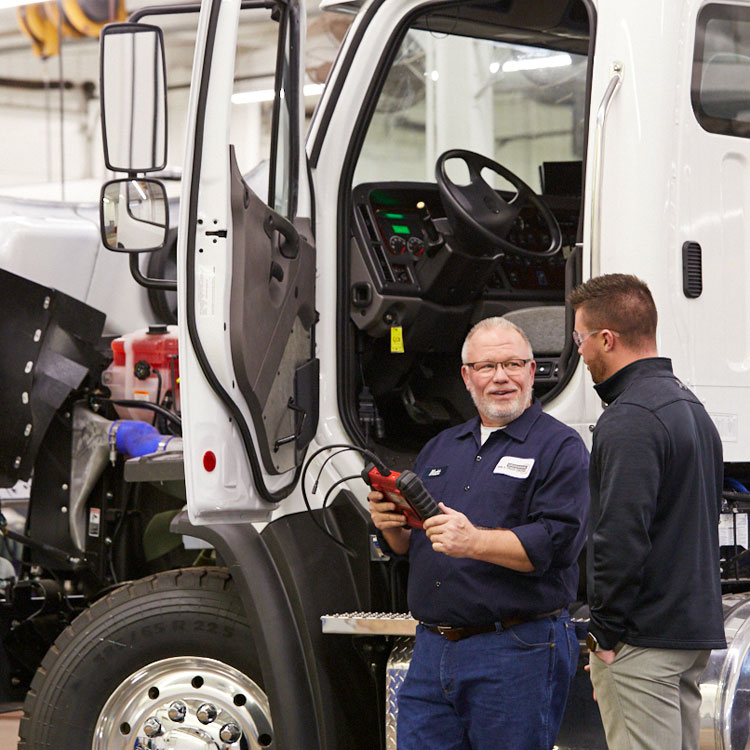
{"points": [[466, 159]]}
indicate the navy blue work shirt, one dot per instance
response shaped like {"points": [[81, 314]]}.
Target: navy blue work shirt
{"points": [[530, 477]]}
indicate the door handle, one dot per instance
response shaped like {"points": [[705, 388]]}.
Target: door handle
{"points": [[289, 237], [596, 191], [277, 272]]}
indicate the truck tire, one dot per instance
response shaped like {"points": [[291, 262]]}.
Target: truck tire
{"points": [[167, 660]]}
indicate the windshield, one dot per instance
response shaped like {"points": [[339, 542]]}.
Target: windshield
{"points": [[520, 105]]}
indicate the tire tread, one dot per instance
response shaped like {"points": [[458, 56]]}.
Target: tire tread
{"points": [[63, 654]]}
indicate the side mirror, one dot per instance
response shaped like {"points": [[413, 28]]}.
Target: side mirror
{"points": [[133, 102], [134, 215]]}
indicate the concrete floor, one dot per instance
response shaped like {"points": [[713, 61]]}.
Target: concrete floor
{"points": [[9, 730]]}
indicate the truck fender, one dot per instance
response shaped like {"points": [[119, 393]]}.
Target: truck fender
{"points": [[286, 673]]}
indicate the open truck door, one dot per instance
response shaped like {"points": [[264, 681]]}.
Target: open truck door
{"points": [[246, 263], [246, 273]]}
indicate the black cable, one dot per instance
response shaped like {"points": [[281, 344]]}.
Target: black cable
{"points": [[382, 468], [131, 492], [317, 478], [348, 550], [332, 488], [157, 400], [133, 403], [18, 564], [38, 611], [345, 446]]}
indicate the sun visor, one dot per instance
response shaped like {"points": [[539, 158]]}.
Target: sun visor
{"points": [[49, 343]]}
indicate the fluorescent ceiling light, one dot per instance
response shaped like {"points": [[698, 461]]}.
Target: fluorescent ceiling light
{"points": [[266, 95], [253, 97], [137, 185], [536, 63]]}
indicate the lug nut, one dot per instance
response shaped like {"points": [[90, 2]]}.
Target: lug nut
{"points": [[206, 713], [177, 711], [152, 727], [230, 733]]}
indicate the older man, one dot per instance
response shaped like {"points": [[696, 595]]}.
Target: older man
{"points": [[490, 578]]}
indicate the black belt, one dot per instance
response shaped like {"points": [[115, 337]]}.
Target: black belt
{"points": [[458, 633]]}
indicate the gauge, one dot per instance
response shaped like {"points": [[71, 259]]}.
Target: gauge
{"points": [[415, 245], [397, 244]]}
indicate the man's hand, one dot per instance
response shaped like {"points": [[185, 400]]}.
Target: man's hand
{"points": [[451, 533], [606, 656], [383, 512], [587, 668], [390, 522]]}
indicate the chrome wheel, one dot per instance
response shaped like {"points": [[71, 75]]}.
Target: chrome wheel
{"points": [[185, 703]]}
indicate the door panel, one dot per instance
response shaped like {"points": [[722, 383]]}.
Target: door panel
{"points": [[272, 312]]}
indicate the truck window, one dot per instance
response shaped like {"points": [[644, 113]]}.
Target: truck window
{"points": [[720, 88], [523, 106], [252, 100], [280, 200]]}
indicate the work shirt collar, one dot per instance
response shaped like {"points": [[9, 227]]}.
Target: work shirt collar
{"points": [[614, 385], [518, 429]]}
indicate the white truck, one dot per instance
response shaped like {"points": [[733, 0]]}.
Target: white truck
{"points": [[466, 159]]}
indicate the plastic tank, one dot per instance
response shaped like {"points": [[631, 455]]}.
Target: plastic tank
{"points": [[145, 368]]}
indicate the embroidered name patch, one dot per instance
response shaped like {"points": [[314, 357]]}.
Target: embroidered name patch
{"points": [[518, 468], [436, 471]]}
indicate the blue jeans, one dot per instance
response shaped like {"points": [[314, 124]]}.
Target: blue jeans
{"points": [[504, 690]]}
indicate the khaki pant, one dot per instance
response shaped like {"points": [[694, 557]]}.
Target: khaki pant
{"points": [[649, 698]]}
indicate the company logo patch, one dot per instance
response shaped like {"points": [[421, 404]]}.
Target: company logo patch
{"points": [[436, 471], [519, 468]]}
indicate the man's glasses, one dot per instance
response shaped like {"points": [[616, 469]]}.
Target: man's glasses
{"points": [[487, 366], [578, 338]]}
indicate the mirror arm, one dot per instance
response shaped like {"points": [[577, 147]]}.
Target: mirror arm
{"points": [[135, 271]]}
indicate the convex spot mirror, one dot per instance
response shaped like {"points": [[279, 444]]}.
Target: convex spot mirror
{"points": [[134, 215], [133, 97]]}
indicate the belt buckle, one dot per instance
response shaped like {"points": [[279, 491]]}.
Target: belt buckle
{"points": [[444, 629]]}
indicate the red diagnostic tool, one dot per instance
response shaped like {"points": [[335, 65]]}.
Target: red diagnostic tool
{"points": [[406, 490]]}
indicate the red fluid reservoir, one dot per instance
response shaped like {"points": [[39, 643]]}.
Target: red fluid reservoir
{"points": [[145, 368]]}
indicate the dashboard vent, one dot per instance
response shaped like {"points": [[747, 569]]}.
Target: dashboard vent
{"points": [[364, 213], [692, 270]]}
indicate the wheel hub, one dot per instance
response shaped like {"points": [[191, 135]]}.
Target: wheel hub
{"points": [[185, 703]]}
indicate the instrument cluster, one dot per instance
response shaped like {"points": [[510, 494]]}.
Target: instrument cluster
{"points": [[395, 223]]}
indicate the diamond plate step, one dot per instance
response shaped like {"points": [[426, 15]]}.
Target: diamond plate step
{"points": [[370, 623]]}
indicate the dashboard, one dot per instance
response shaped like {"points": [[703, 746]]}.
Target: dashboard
{"points": [[394, 224]]}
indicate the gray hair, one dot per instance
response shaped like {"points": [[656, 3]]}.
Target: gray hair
{"points": [[489, 324]]}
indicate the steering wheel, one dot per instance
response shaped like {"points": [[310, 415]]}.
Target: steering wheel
{"points": [[483, 214]]}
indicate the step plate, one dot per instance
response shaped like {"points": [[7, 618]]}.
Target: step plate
{"points": [[370, 623]]}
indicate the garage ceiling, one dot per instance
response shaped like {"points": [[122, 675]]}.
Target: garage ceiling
{"points": [[20, 68]]}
